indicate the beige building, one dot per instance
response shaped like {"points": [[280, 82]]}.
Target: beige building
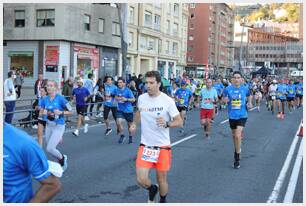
{"points": [[157, 38]]}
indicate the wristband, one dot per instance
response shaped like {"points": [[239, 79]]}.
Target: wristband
{"points": [[167, 125]]}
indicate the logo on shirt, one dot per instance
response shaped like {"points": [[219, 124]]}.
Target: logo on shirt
{"points": [[154, 109]]}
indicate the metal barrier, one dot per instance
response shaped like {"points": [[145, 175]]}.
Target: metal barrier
{"points": [[33, 110]]}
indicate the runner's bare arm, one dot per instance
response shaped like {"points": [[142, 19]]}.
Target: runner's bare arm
{"points": [[176, 122], [49, 187]]}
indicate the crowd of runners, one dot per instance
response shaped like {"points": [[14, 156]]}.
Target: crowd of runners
{"points": [[158, 107]]}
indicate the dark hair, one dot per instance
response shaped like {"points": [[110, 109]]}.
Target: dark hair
{"points": [[237, 72], [120, 78], [10, 74], [90, 75], [155, 74]]}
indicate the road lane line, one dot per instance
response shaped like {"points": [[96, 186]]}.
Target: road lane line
{"points": [[184, 139], [294, 176], [228, 120], [224, 121], [282, 175]]}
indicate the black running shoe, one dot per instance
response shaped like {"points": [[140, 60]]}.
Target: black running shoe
{"points": [[153, 194], [130, 140], [121, 139], [236, 164], [108, 131]]}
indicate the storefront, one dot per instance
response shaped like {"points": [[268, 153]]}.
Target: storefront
{"points": [[86, 60], [22, 61], [22, 56], [161, 67], [109, 62], [56, 61]]}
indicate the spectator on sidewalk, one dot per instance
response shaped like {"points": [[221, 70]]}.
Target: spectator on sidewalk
{"points": [[67, 88], [24, 159], [9, 96], [89, 84], [40, 82], [18, 83]]}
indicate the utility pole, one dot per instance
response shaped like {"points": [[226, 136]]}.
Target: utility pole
{"points": [[122, 12]]}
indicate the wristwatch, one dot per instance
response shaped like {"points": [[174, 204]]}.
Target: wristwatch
{"points": [[167, 125]]}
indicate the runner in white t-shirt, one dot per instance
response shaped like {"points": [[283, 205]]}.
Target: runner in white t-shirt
{"points": [[157, 113]]}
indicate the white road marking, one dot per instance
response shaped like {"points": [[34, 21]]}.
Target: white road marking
{"points": [[294, 176], [282, 175], [184, 139], [228, 120], [224, 121]]}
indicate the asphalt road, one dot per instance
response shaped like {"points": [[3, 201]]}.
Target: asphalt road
{"points": [[101, 170]]}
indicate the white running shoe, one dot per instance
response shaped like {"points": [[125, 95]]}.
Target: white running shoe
{"points": [[76, 132], [87, 118], [35, 126], [85, 128]]}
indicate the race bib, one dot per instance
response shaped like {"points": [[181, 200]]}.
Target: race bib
{"points": [[299, 92], [150, 154], [181, 101], [207, 101], [273, 97], [291, 91], [108, 97], [236, 104]]}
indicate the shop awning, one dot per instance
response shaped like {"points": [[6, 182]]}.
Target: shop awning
{"points": [[20, 53]]}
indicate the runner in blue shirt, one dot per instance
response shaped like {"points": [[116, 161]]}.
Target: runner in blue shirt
{"points": [[110, 103], [53, 108], [209, 97], [291, 92], [80, 96], [125, 98], [219, 87], [23, 159], [183, 96], [281, 93], [299, 92], [237, 97]]}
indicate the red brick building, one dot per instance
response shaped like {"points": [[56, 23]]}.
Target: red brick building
{"points": [[210, 32]]}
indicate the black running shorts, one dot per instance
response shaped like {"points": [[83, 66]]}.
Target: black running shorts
{"points": [[237, 122]]}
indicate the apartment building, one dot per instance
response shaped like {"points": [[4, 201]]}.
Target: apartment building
{"points": [[210, 32], [60, 40], [157, 38]]}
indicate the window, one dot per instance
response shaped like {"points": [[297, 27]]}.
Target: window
{"points": [[176, 9], [192, 6], [87, 22], [143, 42], [175, 48], [131, 15], [148, 19], [175, 29], [45, 17], [167, 47], [101, 26], [130, 39], [192, 26], [191, 37], [19, 18], [168, 27], [169, 8], [151, 44], [190, 58], [116, 29], [157, 22], [192, 15]]}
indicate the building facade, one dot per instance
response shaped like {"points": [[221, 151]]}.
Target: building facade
{"points": [[60, 40], [210, 32], [157, 38], [279, 57]]}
